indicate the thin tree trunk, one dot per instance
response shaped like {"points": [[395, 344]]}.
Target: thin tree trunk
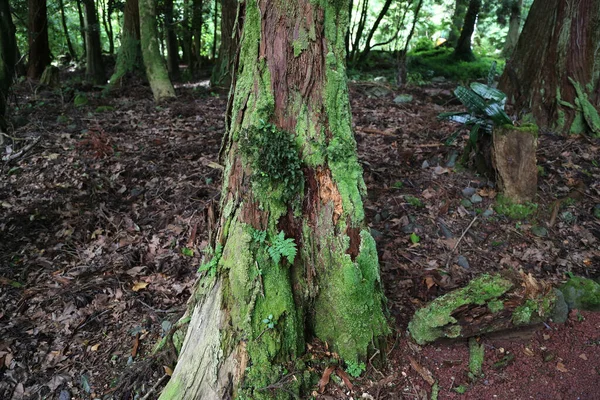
{"points": [[365, 53], [39, 48], [129, 58], [8, 59], [105, 22], [215, 26], [229, 41], [63, 20], [292, 175], [156, 71], [460, 10], [402, 71], [514, 24], [94, 66], [463, 50], [186, 37], [82, 28], [197, 22], [172, 46], [360, 28], [554, 72]]}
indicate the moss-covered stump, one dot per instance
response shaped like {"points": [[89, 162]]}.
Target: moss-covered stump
{"points": [[581, 294], [50, 77], [488, 303], [513, 158]]}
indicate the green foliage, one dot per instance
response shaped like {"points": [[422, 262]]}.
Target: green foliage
{"points": [[355, 369], [514, 211], [258, 236], [439, 62], [211, 266], [414, 238], [273, 155], [476, 355], [269, 322], [186, 251], [413, 201], [80, 100], [282, 247]]}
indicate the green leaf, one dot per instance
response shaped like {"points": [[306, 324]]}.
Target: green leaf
{"points": [[414, 238], [488, 93], [187, 252]]}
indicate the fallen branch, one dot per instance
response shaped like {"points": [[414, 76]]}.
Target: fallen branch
{"points": [[13, 156], [459, 240]]}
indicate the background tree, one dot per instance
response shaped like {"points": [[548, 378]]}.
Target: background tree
{"points": [[8, 52], [39, 47], [129, 58], [171, 39], [458, 17], [463, 49], [292, 181], [156, 71], [63, 21], [554, 73], [384, 10], [229, 41], [94, 70], [514, 25]]}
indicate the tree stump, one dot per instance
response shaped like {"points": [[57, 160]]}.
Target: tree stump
{"points": [[50, 77], [514, 161]]}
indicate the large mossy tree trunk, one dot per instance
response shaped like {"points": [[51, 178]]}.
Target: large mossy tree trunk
{"points": [[39, 48], [458, 18], [514, 24], [291, 175], [156, 71], [229, 41], [94, 70], [8, 53], [463, 49], [171, 38], [554, 72], [129, 57]]}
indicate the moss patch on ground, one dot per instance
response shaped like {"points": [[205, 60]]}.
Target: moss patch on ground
{"points": [[581, 293]]}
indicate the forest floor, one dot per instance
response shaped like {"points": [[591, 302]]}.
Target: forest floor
{"points": [[103, 220]]}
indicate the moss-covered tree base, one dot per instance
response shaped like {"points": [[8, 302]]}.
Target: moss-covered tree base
{"points": [[487, 304]]}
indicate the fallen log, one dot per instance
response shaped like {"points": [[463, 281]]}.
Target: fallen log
{"points": [[489, 303]]}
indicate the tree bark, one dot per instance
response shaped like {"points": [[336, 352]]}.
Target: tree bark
{"points": [[172, 46], [362, 21], [94, 66], [460, 10], [215, 34], [554, 72], [291, 171], [63, 20], [107, 8], [39, 48], [402, 77], [8, 53], [129, 57], [514, 24], [463, 50], [82, 28], [229, 41], [197, 22], [156, 71]]}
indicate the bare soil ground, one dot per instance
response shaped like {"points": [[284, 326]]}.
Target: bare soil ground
{"points": [[103, 221]]}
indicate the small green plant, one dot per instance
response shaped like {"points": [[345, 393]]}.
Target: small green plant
{"points": [[186, 251], [460, 389], [355, 369], [413, 201], [282, 247], [414, 238], [270, 324], [398, 185], [259, 236], [514, 211], [210, 267]]}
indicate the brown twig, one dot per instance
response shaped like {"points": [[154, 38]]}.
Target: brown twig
{"points": [[459, 240]]}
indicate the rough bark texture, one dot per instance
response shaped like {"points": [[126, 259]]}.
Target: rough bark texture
{"points": [[515, 163], [172, 46], [129, 58], [514, 24], [8, 52], [463, 50], [291, 170], [229, 42], [156, 71], [39, 49], [94, 66], [460, 10], [554, 73]]}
